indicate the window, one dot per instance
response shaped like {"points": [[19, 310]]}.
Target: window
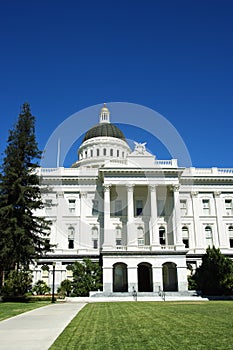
{"points": [[118, 236], [161, 207], [141, 240], [162, 236], [72, 206], [97, 152], [111, 152], [85, 154], [230, 232], [118, 208], [118, 153], [185, 236], [91, 152], [70, 237], [208, 236], [94, 233], [139, 207], [228, 206], [123, 154], [206, 206], [183, 207], [104, 151], [95, 208]]}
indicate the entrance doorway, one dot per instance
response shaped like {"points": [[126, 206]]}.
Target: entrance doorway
{"points": [[145, 282], [170, 283], [120, 278]]}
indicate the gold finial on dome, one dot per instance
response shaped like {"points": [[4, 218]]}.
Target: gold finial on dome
{"points": [[104, 114]]}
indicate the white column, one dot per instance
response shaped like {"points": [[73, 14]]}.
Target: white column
{"points": [[131, 230], [109, 238], [198, 234], [177, 232], [221, 230], [154, 236], [83, 233]]}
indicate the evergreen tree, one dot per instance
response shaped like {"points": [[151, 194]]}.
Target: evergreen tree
{"points": [[215, 275], [87, 277], [23, 235]]}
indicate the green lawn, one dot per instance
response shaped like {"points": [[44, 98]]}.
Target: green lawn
{"points": [[8, 310], [150, 325]]}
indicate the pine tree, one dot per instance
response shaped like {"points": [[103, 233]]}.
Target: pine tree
{"points": [[215, 275], [23, 235]]}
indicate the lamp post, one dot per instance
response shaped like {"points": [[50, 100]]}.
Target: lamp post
{"points": [[53, 298]]}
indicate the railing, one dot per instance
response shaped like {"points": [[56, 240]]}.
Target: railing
{"points": [[167, 247], [171, 163], [208, 171]]}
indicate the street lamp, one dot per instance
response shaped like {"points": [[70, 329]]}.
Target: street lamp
{"points": [[53, 298]]}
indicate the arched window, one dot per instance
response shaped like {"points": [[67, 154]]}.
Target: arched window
{"points": [[111, 152], [230, 232], [141, 239], [208, 236], [104, 151], [162, 235], [123, 154], [185, 236], [97, 152], [118, 153], [71, 237], [91, 152]]}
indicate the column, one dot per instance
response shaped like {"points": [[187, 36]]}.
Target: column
{"points": [[109, 237], [154, 236], [83, 233], [131, 230], [176, 222], [198, 234], [221, 230]]}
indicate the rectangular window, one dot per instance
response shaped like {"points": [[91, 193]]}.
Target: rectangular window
{"points": [[95, 208], [118, 208], [140, 241], [228, 206], [70, 244], [118, 241], [206, 206], [95, 243], [183, 207], [139, 207], [72, 206]]}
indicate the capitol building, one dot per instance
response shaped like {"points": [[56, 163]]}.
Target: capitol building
{"points": [[148, 221]]}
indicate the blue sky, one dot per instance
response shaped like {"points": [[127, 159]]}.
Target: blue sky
{"points": [[175, 57]]}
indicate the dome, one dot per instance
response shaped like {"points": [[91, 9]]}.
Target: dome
{"points": [[106, 130]]}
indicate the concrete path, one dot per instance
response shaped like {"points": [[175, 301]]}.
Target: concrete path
{"points": [[37, 329]]}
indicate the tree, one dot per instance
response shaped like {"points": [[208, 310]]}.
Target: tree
{"points": [[86, 277], [17, 283], [65, 287], [215, 275], [23, 235]]}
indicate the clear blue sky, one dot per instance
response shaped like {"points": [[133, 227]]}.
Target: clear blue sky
{"points": [[175, 57]]}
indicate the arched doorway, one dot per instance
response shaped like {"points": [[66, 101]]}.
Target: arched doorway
{"points": [[120, 278], [145, 282], [170, 283]]}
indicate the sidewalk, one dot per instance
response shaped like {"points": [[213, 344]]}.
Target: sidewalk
{"points": [[37, 329]]}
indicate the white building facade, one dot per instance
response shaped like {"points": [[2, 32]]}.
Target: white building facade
{"points": [[147, 221]]}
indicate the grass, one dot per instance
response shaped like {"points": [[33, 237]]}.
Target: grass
{"points": [[150, 325], [11, 309]]}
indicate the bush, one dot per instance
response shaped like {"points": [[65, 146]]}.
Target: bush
{"points": [[41, 288], [65, 288], [17, 283]]}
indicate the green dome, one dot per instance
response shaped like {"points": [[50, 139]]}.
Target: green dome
{"points": [[104, 129]]}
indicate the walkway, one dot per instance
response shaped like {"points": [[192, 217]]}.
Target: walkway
{"points": [[37, 329]]}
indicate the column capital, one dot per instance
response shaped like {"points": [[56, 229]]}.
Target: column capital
{"points": [[130, 187], [217, 194], [152, 188], [194, 194], [174, 188], [106, 187], [83, 194]]}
